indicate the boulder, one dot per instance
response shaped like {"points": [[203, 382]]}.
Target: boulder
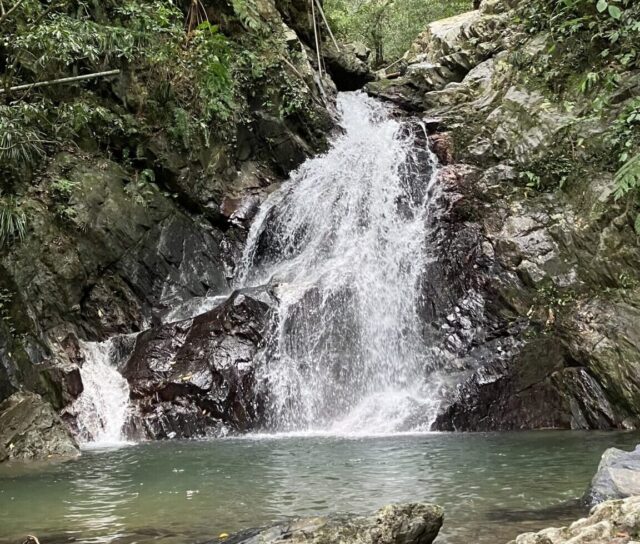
{"points": [[612, 522], [196, 377], [461, 42], [30, 430], [349, 67], [393, 524], [618, 476]]}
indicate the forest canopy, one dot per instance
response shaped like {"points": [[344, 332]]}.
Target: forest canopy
{"points": [[388, 27]]}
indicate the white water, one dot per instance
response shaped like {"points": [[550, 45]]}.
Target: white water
{"points": [[344, 242], [103, 406]]}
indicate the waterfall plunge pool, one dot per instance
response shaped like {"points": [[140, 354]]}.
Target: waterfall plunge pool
{"points": [[492, 486]]}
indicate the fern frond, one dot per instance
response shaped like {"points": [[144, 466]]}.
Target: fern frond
{"points": [[628, 177]]}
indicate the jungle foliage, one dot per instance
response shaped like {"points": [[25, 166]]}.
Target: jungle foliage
{"points": [[182, 77], [388, 27], [594, 51]]}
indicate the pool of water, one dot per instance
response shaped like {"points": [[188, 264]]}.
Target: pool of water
{"points": [[493, 486]]}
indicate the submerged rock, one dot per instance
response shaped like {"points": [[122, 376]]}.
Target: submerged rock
{"points": [[30, 430], [393, 524], [612, 522], [618, 476]]}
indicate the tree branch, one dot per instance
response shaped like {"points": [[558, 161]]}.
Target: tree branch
{"points": [[12, 9], [29, 86]]}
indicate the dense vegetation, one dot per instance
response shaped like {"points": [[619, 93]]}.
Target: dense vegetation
{"points": [[181, 75], [388, 27], [593, 52]]}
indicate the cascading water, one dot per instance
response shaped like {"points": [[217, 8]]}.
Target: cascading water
{"points": [[102, 408], [344, 243]]}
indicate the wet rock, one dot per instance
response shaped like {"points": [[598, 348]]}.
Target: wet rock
{"points": [[618, 476], [63, 383], [240, 211], [501, 308], [399, 91], [196, 377], [349, 67], [394, 524], [30, 429], [612, 522], [442, 145]]}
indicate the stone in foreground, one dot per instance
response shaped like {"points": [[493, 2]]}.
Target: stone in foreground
{"points": [[30, 430], [618, 476], [393, 524], [612, 522]]}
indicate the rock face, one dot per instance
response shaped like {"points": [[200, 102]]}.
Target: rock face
{"points": [[394, 524], [124, 239], [618, 476], [30, 429], [532, 299], [612, 522], [197, 377]]}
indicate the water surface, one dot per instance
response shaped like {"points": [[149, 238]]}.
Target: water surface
{"points": [[493, 486]]}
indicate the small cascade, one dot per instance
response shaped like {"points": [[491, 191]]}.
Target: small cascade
{"points": [[343, 244], [102, 408]]}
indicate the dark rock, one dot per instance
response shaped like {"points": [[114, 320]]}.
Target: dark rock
{"points": [[197, 377], [520, 358], [349, 67], [618, 476], [240, 211], [63, 384], [399, 91], [30, 429], [442, 145], [394, 524]]}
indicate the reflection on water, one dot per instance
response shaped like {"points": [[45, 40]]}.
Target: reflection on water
{"points": [[492, 486], [94, 511]]}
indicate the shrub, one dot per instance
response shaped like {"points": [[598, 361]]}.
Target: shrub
{"points": [[13, 221]]}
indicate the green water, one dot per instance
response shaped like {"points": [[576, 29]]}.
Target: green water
{"points": [[493, 486]]}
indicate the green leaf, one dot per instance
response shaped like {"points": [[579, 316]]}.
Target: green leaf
{"points": [[615, 12], [637, 225], [602, 5]]}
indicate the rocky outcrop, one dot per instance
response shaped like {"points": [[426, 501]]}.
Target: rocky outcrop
{"points": [[618, 476], [531, 301], [349, 66], [394, 524], [197, 377], [613, 522], [119, 233], [30, 429]]}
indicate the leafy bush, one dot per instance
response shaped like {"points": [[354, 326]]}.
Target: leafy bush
{"points": [[13, 221], [21, 139], [587, 33]]}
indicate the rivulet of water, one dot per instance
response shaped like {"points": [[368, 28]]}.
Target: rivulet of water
{"points": [[102, 408], [343, 241]]}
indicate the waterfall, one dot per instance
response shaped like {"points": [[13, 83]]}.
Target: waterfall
{"points": [[103, 406], [343, 244]]}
